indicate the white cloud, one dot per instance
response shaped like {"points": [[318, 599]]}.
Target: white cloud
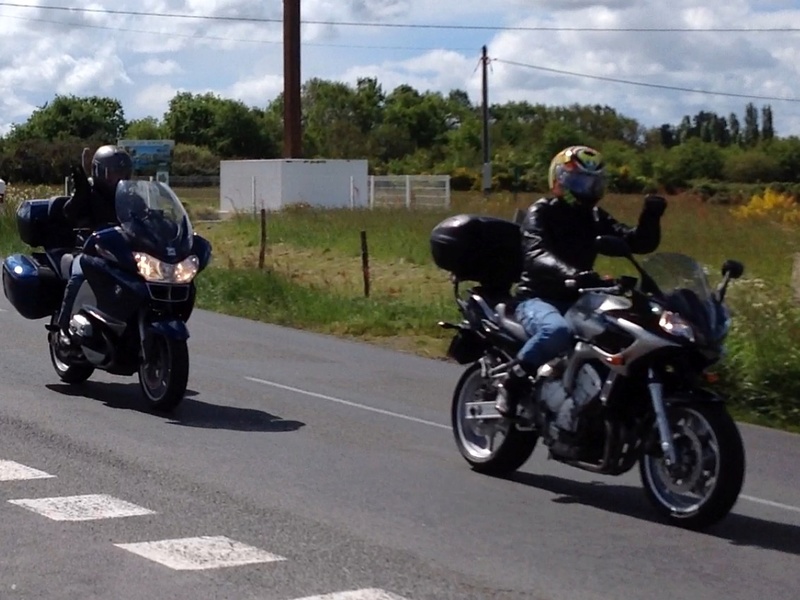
{"points": [[153, 100], [159, 68], [143, 60], [256, 91]]}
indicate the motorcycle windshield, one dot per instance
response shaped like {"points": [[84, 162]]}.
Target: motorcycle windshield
{"points": [[687, 291], [673, 271], [154, 219]]}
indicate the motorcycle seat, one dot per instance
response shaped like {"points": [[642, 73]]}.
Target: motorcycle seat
{"points": [[508, 321]]}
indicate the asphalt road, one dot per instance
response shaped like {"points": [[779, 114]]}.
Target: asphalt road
{"points": [[303, 466]]}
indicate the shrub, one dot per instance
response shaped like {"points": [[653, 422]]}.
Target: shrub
{"points": [[463, 179], [771, 204]]}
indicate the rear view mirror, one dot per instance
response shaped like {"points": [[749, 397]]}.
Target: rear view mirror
{"points": [[734, 267]]}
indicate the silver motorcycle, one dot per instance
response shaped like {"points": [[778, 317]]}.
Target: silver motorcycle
{"points": [[635, 386]]}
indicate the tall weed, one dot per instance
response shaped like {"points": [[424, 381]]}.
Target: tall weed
{"points": [[761, 371]]}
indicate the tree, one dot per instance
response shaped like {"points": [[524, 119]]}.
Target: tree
{"points": [[330, 125], [227, 127], [736, 133], [767, 132], [97, 119], [368, 103], [750, 135], [147, 128]]}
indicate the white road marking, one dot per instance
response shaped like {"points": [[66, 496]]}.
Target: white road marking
{"points": [[771, 503], [439, 425], [348, 403], [365, 594], [192, 554], [12, 471], [82, 508]]}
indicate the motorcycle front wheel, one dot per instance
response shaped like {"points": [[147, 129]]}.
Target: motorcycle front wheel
{"points": [[710, 471], [164, 376], [477, 439]]}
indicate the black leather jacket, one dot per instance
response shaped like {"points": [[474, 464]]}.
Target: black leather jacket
{"points": [[558, 243], [90, 209]]}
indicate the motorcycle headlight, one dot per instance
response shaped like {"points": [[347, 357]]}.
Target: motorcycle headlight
{"points": [[155, 270], [676, 325]]}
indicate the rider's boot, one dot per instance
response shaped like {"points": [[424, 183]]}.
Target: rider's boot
{"points": [[511, 390]]}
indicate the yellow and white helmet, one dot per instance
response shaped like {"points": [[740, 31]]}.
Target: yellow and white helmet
{"points": [[578, 171]]}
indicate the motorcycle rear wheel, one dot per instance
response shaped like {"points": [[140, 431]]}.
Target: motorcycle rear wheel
{"points": [[164, 377], [712, 459], [476, 439]]}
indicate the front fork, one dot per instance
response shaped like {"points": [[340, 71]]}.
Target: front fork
{"points": [[664, 431], [145, 341], [170, 327]]}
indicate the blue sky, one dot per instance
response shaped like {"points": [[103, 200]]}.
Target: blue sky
{"points": [[145, 60]]}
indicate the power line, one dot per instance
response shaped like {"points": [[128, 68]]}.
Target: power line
{"points": [[411, 25], [230, 39], [639, 83]]}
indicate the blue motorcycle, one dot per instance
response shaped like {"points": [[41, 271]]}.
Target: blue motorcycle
{"points": [[131, 311]]}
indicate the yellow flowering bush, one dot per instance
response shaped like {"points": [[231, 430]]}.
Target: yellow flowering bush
{"points": [[770, 205]]}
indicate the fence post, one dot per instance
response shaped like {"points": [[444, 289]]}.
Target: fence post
{"points": [[365, 262], [352, 193], [796, 278], [263, 250], [253, 193], [408, 191], [372, 191], [447, 192]]}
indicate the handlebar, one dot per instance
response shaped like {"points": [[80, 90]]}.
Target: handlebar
{"points": [[616, 286]]}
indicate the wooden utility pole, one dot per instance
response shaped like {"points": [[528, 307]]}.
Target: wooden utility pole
{"points": [[292, 132], [487, 166]]}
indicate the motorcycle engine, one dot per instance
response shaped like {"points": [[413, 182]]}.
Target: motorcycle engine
{"points": [[94, 345], [587, 386]]}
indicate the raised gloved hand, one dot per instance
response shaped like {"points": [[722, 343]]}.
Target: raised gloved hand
{"points": [[654, 205], [80, 180]]}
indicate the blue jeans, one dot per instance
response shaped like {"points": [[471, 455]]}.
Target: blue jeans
{"points": [[71, 292], [549, 331]]}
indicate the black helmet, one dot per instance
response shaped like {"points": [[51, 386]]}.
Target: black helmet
{"points": [[110, 164]]}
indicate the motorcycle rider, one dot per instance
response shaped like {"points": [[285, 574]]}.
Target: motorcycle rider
{"points": [[92, 206], [558, 236]]}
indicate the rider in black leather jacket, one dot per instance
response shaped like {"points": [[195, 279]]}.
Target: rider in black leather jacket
{"points": [[558, 243], [92, 207]]}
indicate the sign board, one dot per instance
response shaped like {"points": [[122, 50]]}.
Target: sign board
{"points": [[149, 155]]}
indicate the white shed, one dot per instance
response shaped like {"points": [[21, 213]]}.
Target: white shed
{"points": [[250, 185]]}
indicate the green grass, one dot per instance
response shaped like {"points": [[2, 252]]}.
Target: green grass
{"points": [[274, 298]]}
